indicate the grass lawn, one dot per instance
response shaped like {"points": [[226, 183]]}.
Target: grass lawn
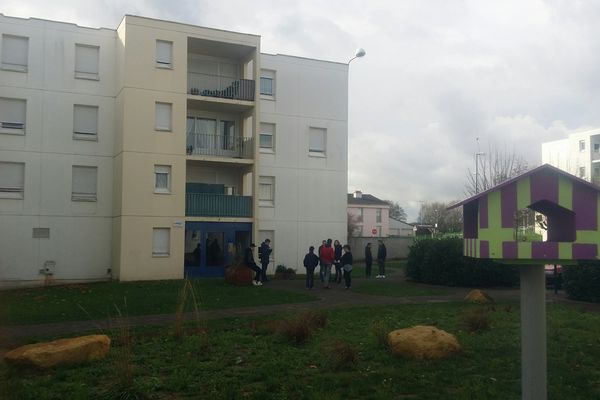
{"points": [[243, 358], [98, 300], [399, 289]]}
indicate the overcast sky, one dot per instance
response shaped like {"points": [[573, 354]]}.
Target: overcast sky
{"points": [[437, 74]]}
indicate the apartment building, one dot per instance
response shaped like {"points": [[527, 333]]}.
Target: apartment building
{"points": [[156, 150], [578, 154], [369, 215]]}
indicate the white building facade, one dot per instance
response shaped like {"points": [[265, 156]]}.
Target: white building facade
{"points": [[579, 155], [153, 150]]}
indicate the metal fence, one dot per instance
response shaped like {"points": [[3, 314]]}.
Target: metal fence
{"points": [[217, 205], [220, 86], [219, 145]]}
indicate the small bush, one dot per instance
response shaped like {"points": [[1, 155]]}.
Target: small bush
{"points": [[582, 282], [380, 332], [341, 355], [300, 328], [477, 320], [441, 262]]}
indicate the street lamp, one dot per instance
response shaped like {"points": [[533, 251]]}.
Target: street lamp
{"points": [[360, 52], [477, 155]]}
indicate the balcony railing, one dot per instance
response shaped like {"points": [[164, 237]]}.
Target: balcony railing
{"points": [[217, 205], [219, 145], [220, 86]]}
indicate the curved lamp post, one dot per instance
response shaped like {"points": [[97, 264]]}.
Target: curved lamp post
{"points": [[360, 52]]}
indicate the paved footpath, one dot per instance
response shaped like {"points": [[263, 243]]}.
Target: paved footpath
{"points": [[335, 297]]}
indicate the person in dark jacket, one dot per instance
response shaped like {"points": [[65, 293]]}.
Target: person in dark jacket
{"points": [[249, 262], [323, 243], [346, 262], [381, 256], [311, 260], [337, 250], [368, 260], [264, 255]]}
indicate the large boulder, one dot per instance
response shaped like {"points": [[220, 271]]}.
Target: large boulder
{"points": [[478, 296], [423, 342], [60, 352]]}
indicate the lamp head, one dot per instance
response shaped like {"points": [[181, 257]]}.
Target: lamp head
{"points": [[360, 52]]}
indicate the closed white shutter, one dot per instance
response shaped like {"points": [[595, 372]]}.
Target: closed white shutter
{"points": [[84, 183], [164, 53], [266, 190], [15, 52], [86, 61], [85, 119], [11, 180], [12, 114], [317, 140], [161, 241], [162, 116]]}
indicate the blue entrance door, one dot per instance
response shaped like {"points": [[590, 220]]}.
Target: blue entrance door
{"points": [[209, 246]]}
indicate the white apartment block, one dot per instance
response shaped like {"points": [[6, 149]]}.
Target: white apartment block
{"points": [[579, 155], [154, 150]]}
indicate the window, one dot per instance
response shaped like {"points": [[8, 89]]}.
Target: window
{"points": [[87, 61], [162, 179], [84, 183], [581, 145], [85, 121], [161, 242], [15, 53], [162, 116], [266, 191], [378, 227], [378, 215], [227, 132], [12, 116], [267, 82], [360, 215], [267, 136], [11, 180], [582, 172], [317, 141], [596, 147], [164, 54]]}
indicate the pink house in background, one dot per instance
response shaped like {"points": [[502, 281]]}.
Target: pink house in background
{"points": [[369, 214]]}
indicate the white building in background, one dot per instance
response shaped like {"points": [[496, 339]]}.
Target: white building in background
{"points": [[150, 151], [578, 154]]}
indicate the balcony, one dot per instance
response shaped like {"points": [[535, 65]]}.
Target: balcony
{"points": [[219, 145], [217, 205], [220, 86]]}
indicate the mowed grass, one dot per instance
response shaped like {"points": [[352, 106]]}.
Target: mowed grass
{"points": [[244, 358], [399, 289], [100, 300]]}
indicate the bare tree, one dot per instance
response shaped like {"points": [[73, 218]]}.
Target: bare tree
{"points": [[353, 226], [437, 214], [493, 168], [396, 211]]}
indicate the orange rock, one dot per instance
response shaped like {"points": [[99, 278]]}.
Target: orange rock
{"points": [[478, 296], [59, 352], [423, 342]]}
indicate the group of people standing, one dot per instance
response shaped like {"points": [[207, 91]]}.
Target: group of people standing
{"points": [[329, 254], [340, 257], [264, 255]]}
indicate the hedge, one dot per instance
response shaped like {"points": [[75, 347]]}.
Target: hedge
{"points": [[582, 282], [441, 262]]}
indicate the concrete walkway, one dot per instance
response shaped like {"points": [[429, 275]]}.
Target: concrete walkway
{"points": [[335, 297]]}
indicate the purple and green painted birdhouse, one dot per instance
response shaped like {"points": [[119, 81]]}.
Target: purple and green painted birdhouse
{"points": [[543, 216]]}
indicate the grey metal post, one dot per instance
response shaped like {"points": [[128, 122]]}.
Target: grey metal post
{"points": [[533, 333]]}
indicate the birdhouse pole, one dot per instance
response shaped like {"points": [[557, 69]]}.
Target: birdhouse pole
{"points": [[533, 333]]}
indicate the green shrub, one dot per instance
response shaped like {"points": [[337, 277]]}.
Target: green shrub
{"points": [[441, 262], [582, 282]]}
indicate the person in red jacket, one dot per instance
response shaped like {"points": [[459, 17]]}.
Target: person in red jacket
{"points": [[327, 257]]}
